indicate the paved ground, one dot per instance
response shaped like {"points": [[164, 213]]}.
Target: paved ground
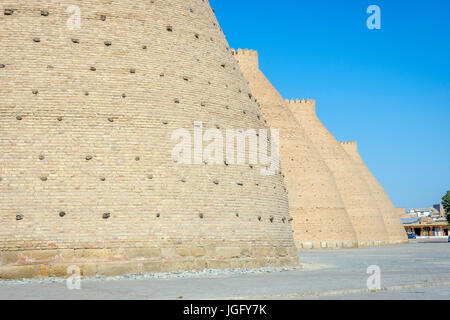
{"points": [[419, 270]]}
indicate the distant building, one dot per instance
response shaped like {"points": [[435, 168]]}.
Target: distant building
{"points": [[424, 212], [423, 228], [425, 222]]}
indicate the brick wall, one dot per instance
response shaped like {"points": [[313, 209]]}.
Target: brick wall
{"points": [[86, 118], [359, 201], [320, 217], [392, 221]]}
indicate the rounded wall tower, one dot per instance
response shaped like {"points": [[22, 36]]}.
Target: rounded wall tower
{"points": [[392, 221], [87, 115], [320, 218], [359, 201]]}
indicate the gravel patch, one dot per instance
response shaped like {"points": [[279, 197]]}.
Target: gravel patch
{"points": [[207, 273]]}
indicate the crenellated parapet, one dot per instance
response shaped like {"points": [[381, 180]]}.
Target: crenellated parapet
{"points": [[303, 105], [246, 58], [355, 143], [245, 52], [350, 145]]}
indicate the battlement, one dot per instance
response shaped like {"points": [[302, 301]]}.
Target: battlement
{"points": [[246, 57], [301, 102], [350, 145], [245, 52], [301, 105]]}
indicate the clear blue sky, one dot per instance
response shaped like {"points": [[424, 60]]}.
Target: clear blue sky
{"points": [[388, 89]]}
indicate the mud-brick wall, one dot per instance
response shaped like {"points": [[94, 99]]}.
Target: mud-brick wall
{"points": [[86, 118], [320, 217]]}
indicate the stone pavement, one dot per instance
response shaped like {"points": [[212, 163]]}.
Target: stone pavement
{"points": [[418, 270]]}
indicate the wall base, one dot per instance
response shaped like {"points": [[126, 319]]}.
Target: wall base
{"points": [[328, 245], [115, 262]]}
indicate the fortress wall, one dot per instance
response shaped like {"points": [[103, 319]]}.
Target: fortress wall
{"points": [[86, 118], [392, 221], [249, 59], [356, 194], [320, 218]]}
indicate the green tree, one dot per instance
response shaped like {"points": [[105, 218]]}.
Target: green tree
{"points": [[446, 205]]}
